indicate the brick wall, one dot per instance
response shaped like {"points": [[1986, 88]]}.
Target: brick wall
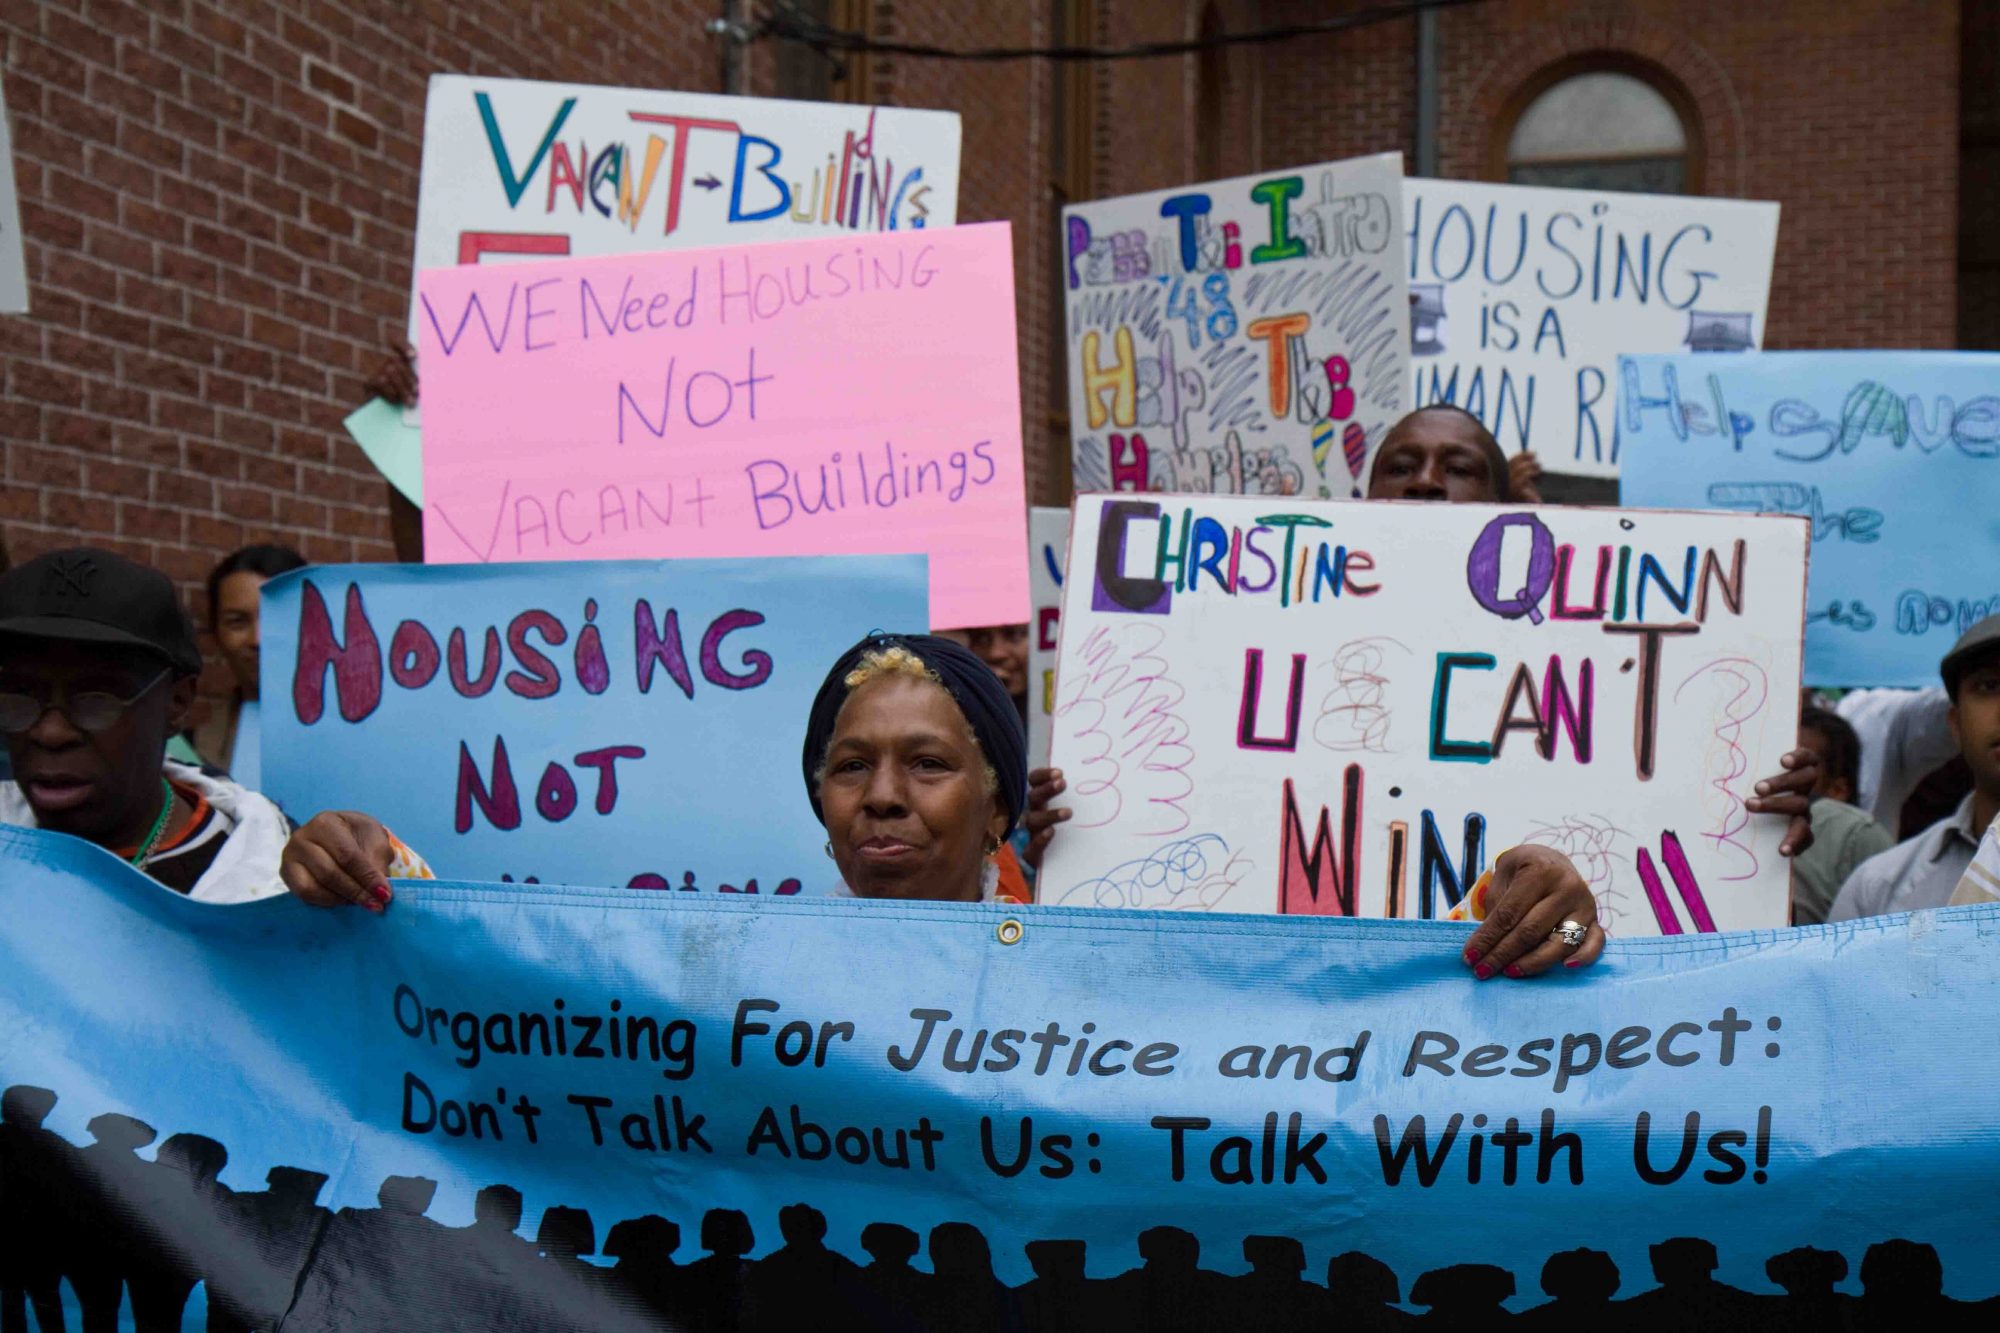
{"points": [[218, 197], [1847, 115]]}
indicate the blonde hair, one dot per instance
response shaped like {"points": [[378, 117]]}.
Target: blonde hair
{"points": [[896, 660]]}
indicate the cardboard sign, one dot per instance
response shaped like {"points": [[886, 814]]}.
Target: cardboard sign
{"points": [[1048, 548], [1247, 335], [1522, 299], [1894, 458], [702, 1113], [855, 396], [1353, 709], [514, 167], [596, 723]]}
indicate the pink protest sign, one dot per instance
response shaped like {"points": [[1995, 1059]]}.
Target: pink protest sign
{"points": [[846, 396]]}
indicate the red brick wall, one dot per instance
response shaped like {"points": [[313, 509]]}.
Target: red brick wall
{"points": [[218, 197], [1845, 114], [218, 202]]}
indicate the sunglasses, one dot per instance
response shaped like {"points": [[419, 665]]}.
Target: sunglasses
{"points": [[87, 710]]}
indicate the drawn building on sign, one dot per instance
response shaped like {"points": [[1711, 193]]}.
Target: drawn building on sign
{"points": [[1710, 332]]}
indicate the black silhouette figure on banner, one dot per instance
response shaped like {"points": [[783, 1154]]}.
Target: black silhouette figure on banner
{"points": [[1168, 1292], [1362, 1294], [378, 1267], [895, 1291], [137, 1235], [104, 1238], [1458, 1295], [715, 1281], [35, 1166], [1688, 1295], [966, 1297], [1061, 1298], [277, 1229], [185, 1230], [803, 1284], [1581, 1284], [1902, 1287], [1276, 1286], [1809, 1277], [646, 1281]]}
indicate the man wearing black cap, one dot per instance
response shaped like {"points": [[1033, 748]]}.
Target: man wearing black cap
{"points": [[1925, 871], [97, 671]]}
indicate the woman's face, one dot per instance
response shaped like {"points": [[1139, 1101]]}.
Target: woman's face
{"points": [[904, 794]]}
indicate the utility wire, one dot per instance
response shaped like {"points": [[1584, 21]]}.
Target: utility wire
{"points": [[786, 24]]}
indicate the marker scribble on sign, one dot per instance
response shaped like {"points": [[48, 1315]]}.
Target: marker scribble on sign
{"points": [[1354, 715], [1133, 738], [1727, 763], [1188, 875]]}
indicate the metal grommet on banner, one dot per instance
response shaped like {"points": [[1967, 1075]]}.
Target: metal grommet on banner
{"points": [[1010, 931]]}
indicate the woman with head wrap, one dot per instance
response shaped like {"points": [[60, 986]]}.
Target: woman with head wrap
{"points": [[916, 764]]}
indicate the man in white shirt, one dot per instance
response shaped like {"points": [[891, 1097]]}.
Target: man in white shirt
{"points": [[1925, 871]]}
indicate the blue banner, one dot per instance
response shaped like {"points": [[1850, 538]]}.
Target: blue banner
{"points": [[612, 723], [539, 1108], [1893, 456]]}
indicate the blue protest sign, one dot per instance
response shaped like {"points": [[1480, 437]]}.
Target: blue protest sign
{"points": [[613, 723], [1894, 456], [1072, 1112]]}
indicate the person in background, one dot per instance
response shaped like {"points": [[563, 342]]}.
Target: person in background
{"points": [[231, 738], [1925, 871], [98, 665], [395, 381], [1004, 648], [1905, 739], [1444, 454], [1843, 836]]}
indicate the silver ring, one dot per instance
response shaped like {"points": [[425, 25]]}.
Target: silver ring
{"points": [[1570, 933]]}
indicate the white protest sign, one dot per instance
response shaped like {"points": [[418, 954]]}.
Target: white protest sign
{"points": [[1247, 335], [1522, 299], [514, 167], [1353, 709], [1048, 547], [13, 260]]}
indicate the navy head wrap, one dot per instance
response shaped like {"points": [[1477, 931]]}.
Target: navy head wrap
{"points": [[972, 686]]}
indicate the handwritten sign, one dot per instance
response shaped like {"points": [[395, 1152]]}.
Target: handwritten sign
{"points": [[1247, 335], [701, 1114], [797, 398], [1353, 709], [1894, 459], [589, 723], [514, 167], [1048, 548], [1522, 299], [13, 259]]}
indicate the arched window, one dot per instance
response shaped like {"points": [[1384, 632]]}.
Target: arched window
{"points": [[1604, 129]]}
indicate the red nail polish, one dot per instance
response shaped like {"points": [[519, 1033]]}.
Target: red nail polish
{"points": [[381, 892], [1471, 957], [1572, 962], [1513, 970], [1483, 971]]}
